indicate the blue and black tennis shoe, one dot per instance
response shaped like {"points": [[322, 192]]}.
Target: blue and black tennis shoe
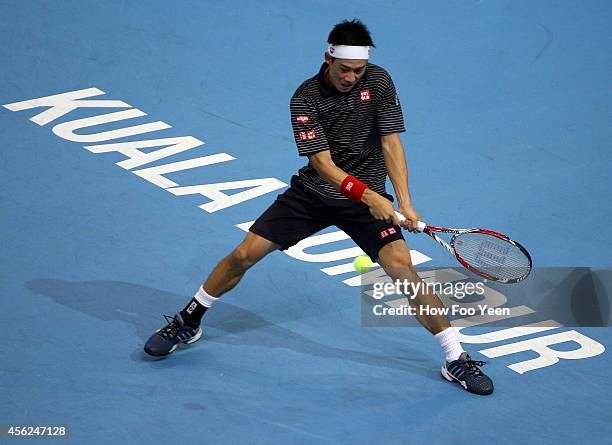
{"points": [[467, 373], [165, 340]]}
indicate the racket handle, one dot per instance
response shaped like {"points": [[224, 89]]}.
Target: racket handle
{"points": [[420, 224]]}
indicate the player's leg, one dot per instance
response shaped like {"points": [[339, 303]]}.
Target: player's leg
{"points": [[232, 268], [458, 366], [291, 218], [184, 327], [226, 275], [395, 260], [385, 244]]}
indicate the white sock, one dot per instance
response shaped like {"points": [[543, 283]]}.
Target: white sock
{"points": [[449, 340], [204, 298]]}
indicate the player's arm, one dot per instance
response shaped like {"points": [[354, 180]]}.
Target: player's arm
{"points": [[397, 169], [380, 207]]}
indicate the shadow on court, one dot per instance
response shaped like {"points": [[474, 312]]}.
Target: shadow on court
{"points": [[138, 305]]}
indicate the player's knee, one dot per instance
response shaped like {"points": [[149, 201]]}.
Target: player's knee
{"points": [[244, 256], [397, 267]]}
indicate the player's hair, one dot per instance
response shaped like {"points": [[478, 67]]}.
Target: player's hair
{"points": [[353, 33]]}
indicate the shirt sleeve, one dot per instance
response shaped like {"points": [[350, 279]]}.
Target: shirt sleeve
{"points": [[307, 129], [389, 111]]}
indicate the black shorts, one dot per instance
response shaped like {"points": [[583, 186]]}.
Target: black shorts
{"points": [[298, 213]]}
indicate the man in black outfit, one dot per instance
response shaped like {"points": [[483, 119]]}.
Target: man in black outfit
{"points": [[347, 121]]}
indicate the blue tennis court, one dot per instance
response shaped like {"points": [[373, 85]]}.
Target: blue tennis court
{"points": [[507, 106]]}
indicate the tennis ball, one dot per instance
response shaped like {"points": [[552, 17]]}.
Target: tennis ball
{"points": [[362, 263]]}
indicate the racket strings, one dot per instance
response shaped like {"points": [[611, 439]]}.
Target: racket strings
{"points": [[498, 258]]}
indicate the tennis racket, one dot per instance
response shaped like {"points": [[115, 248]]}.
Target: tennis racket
{"points": [[486, 253]]}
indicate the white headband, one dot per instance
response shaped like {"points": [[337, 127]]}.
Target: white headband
{"points": [[349, 52]]}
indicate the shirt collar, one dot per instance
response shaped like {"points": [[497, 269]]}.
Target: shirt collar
{"points": [[325, 90]]}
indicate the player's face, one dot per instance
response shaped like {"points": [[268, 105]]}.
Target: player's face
{"points": [[345, 73]]}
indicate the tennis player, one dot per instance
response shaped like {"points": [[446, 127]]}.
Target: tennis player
{"points": [[346, 120]]}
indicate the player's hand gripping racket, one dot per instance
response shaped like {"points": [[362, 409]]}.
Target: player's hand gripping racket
{"points": [[486, 253]]}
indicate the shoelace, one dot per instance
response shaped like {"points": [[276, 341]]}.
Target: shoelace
{"points": [[473, 366], [171, 329]]}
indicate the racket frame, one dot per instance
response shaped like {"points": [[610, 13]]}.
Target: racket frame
{"points": [[450, 246]]}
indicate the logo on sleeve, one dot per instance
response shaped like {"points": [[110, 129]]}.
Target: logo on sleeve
{"points": [[302, 119], [306, 135], [384, 234], [365, 95]]}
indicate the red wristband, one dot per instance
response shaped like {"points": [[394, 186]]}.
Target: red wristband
{"points": [[352, 188]]}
